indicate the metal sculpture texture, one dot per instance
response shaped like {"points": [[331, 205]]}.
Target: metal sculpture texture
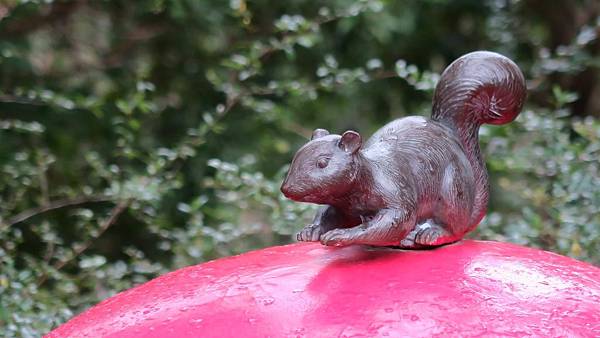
{"points": [[417, 182]]}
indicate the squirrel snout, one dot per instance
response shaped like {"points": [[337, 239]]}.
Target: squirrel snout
{"points": [[285, 188], [290, 190]]}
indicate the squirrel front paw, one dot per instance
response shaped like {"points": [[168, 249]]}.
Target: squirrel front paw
{"points": [[310, 233], [336, 237]]}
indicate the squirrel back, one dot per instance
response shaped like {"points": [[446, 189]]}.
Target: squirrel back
{"points": [[479, 87]]}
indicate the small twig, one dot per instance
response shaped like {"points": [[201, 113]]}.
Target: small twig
{"points": [[49, 252], [43, 178], [297, 129], [385, 74], [231, 102], [7, 98], [114, 215], [58, 204]]}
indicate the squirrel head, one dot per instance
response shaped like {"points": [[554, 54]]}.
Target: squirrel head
{"points": [[324, 168]]}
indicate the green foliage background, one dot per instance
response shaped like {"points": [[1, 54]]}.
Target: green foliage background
{"points": [[138, 137]]}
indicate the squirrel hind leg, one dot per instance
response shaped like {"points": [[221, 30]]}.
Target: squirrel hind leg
{"points": [[429, 234], [408, 242]]}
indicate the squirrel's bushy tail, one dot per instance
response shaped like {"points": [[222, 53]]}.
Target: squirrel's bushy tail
{"points": [[483, 87], [479, 87]]}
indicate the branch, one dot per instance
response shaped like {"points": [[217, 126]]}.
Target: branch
{"points": [[48, 15], [58, 204]]}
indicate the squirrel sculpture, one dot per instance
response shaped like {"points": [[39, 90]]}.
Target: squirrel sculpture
{"points": [[417, 182]]}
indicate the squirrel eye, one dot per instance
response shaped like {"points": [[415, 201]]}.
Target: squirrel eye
{"points": [[322, 162]]}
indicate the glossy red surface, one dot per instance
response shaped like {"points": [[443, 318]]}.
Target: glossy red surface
{"points": [[466, 289]]}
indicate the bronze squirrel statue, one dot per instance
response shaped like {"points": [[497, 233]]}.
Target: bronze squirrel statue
{"points": [[417, 182]]}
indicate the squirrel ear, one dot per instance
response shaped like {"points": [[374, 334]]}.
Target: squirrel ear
{"points": [[350, 141], [318, 133]]}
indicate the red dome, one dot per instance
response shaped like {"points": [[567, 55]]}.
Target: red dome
{"points": [[468, 289]]}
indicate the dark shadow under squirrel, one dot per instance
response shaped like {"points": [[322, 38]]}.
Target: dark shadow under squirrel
{"points": [[417, 182]]}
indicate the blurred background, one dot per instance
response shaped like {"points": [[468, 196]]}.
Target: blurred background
{"points": [[138, 137]]}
